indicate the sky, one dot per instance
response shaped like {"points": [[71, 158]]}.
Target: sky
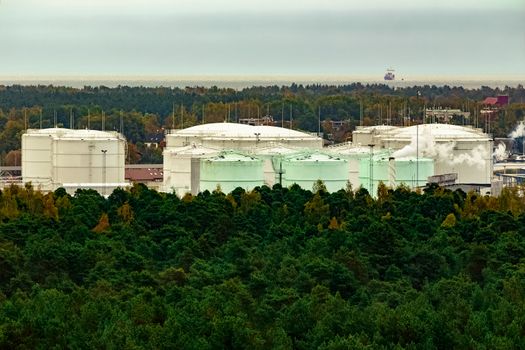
{"points": [[425, 38]]}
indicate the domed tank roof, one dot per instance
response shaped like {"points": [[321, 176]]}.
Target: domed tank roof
{"points": [[234, 130], [438, 132]]}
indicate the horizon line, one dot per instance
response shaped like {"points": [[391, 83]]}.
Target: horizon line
{"points": [[257, 77]]}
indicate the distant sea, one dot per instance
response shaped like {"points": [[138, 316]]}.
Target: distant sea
{"points": [[239, 83]]}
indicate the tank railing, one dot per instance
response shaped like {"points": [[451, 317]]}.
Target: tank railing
{"points": [[342, 144]]}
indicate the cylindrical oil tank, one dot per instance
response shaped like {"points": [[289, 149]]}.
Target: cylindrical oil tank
{"points": [[54, 157], [182, 167], [305, 170], [410, 171], [37, 166], [231, 170], [271, 157], [353, 155], [89, 156]]}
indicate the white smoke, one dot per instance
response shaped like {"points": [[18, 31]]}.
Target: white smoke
{"points": [[519, 131], [425, 146], [500, 153]]}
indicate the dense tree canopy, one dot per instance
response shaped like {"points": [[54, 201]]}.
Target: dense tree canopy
{"points": [[273, 268]]}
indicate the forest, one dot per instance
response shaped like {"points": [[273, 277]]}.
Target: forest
{"points": [[140, 112], [273, 268]]}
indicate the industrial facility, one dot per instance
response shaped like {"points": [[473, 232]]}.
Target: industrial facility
{"points": [[461, 150], [207, 156], [228, 155], [56, 157]]}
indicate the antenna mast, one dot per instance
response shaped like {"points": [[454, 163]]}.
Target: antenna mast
{"points": [[121, 123], [173, 115], [181, 116]]}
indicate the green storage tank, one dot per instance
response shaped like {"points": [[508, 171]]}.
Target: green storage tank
{"points": [[410, 171], [271, 157], [230, 170], [353, 155], [306, 169]]}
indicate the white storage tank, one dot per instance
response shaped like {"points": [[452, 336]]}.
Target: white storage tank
{"points": [[182, 168], [57, 157], [463, 150], [230, 170], [306, 169], [410, 171]]}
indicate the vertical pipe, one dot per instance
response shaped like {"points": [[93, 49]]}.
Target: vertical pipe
{"points": [[173, 115], [181, 116], [417, 155], [121, 123], [360, 112], [371, 170], [319, 124], [291, 117], [392, 172], [282, 115], [104, 151]]}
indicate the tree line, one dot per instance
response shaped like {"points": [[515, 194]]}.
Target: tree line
{"points": [[273, 268], [147, 111]]}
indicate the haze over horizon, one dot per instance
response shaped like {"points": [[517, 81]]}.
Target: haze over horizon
{"points": [[160, 38]]}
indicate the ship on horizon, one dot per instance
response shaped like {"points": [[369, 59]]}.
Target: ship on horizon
{"points": [[389, 75]]}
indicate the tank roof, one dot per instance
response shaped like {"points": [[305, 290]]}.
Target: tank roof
{"points": [[230, 156], [192, 150], [438, 131], [369, 129], [315, 157], [382, 158], [63, 133], [276, 149], [234, 130]]}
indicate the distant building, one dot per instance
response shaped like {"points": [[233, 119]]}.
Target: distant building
{"points": [[491, 108], [498, 101], [155, 139], [149, 174], [444, 115], [266, 120]]}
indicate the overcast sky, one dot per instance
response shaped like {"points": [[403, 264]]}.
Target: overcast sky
{"points": [[476, 38]]}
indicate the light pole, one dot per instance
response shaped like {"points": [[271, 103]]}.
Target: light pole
{"points": [[371, 183], [104, 151]]}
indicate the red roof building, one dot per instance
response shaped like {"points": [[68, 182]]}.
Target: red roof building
{"points": [[144, 175], [498, 101]]}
